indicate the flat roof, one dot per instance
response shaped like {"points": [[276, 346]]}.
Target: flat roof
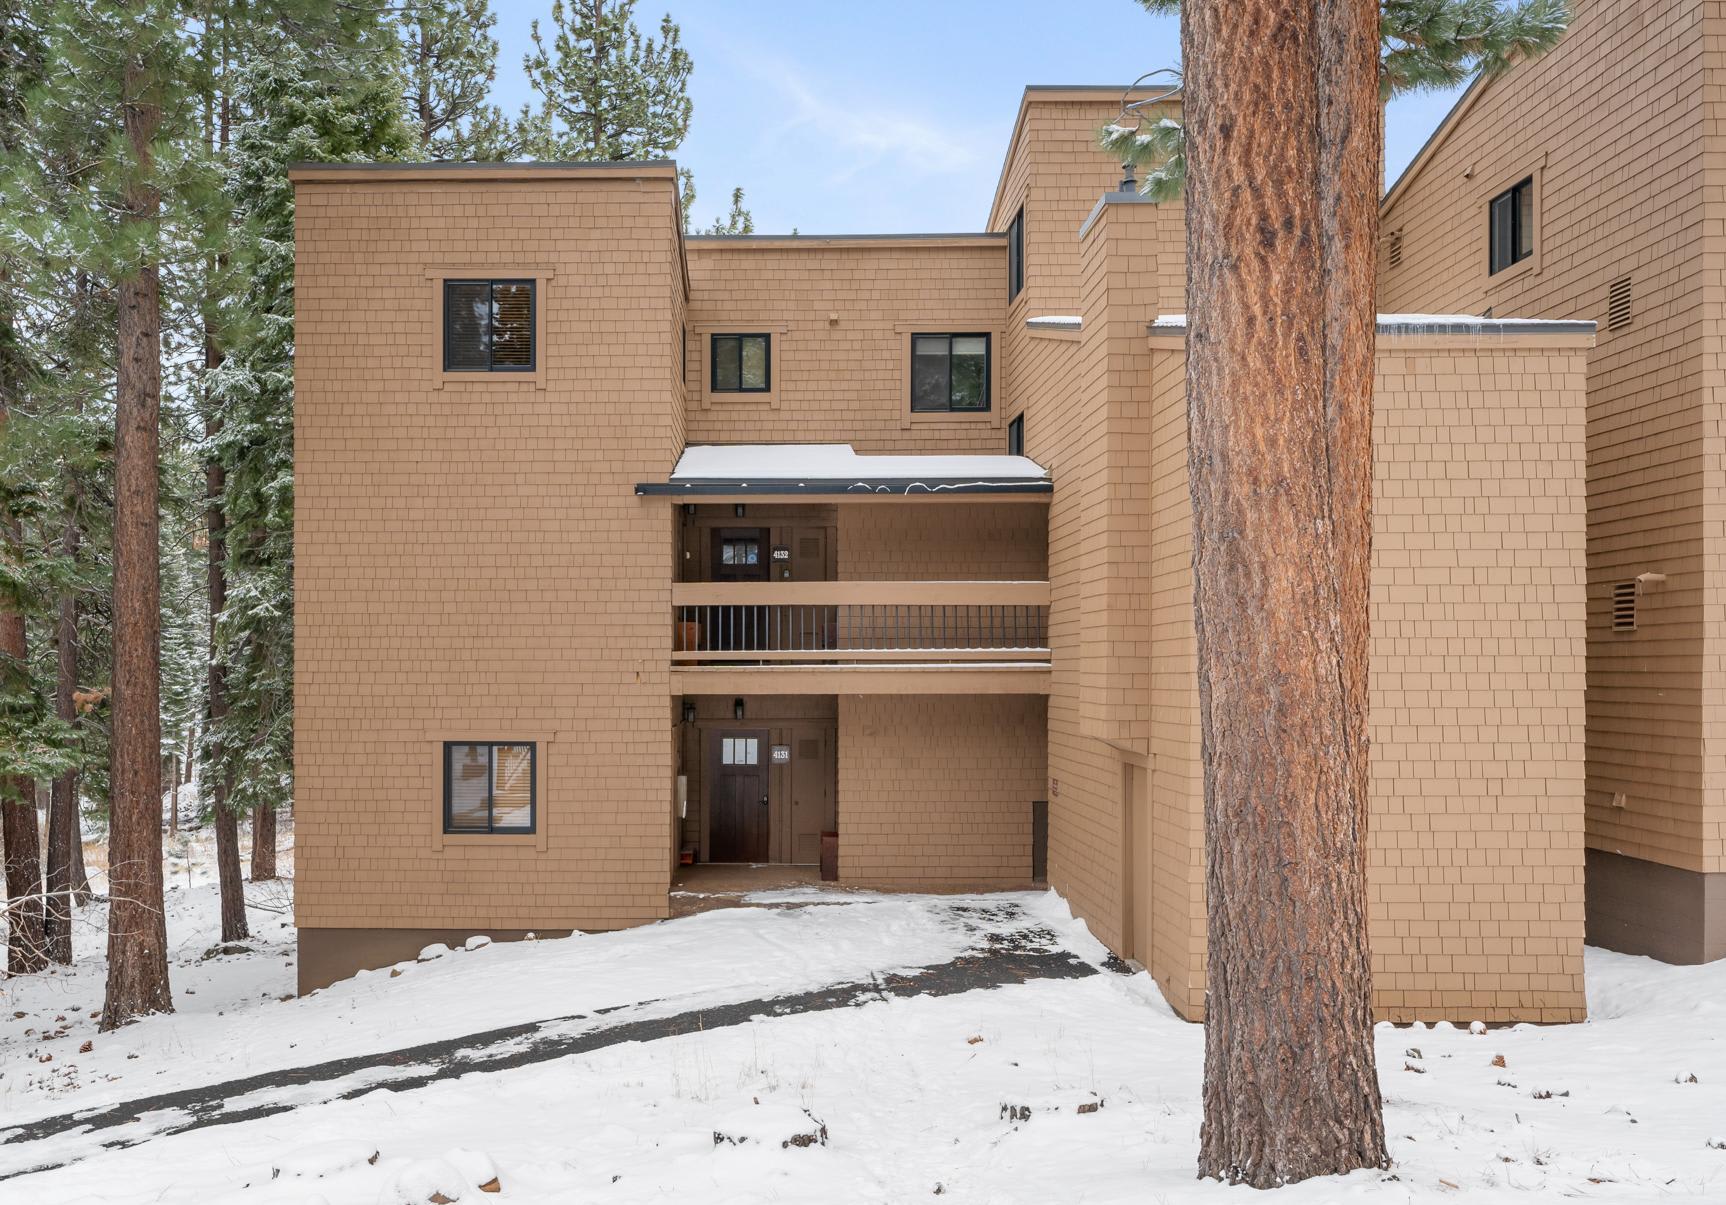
{"points": [[826, 469], [575, 169]]}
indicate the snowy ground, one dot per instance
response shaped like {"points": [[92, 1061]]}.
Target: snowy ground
{"points": [[975, 1096]]}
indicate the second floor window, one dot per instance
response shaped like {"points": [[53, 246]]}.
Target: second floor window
{"points": [[488, 326], [1016, 255], [741, 364], [1016, 436], [949, 373], [1510, 218]]}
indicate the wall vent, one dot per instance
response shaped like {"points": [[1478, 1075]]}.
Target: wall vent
{"points": [[1618, 310], [1395, 255], [1624, 607]]}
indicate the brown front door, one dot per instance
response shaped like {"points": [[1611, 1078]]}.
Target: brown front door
{"points": [[738, 828]]}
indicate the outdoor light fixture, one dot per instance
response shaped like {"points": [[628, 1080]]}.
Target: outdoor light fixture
{"points": [[688, 712], [739, 510], [1132, 111], [737, 709]]}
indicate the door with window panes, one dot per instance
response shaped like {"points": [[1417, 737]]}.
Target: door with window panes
{"points": [[740, 554], [739, 822]]}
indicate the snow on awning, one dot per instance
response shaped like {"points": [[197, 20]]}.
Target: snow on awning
{"points": [[838, 469]]}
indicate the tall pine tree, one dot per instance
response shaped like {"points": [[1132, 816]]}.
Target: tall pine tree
{"points": [[449, 60], [608, 94], [293, 110]]}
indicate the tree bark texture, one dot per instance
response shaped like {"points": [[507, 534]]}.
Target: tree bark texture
{"points": [[1283, 126], [233, 895], [26, 949], [137, 934], [263, 843], [63, 828]]}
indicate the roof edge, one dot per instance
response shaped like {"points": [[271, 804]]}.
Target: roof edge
{"points": [[856, 486], [329, 173], [1433, 141], [959, 238], [1053, 93]]}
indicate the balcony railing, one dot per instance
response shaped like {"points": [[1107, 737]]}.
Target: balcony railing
{"points": [[836, 623]]}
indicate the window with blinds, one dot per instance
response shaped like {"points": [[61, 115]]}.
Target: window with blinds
{"points": [[949, 372], [488, 326], [1510, 226], [489, 786]]}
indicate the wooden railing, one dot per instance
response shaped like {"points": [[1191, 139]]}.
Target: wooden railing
{"points": [[824, 623]]}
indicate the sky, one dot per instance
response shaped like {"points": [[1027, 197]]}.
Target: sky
{"points": [[887, 116]]}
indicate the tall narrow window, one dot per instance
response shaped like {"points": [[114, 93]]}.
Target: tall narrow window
{"points": [[1016, 436], [488, 326], [489, 786], [1016, 254], [1510, 226], [949, 373], [741, 364]]}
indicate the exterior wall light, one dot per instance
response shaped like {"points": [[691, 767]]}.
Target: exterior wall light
{"points": [[688, 712]]}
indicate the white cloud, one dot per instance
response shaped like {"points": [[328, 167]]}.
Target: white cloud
{"points": [[859, 133]]}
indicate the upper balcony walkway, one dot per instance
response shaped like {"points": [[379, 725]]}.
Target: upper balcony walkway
{"points": [[860, 637], [793, 597]]}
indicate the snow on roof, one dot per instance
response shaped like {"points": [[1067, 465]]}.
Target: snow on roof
{"points": [[1056, 321], [1439, 324], [840, 462]]}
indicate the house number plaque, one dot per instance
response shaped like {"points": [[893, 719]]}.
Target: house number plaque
{"points": [[782, 753]]}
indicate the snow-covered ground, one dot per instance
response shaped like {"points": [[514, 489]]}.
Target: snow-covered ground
{"points": [[974, 1096]]}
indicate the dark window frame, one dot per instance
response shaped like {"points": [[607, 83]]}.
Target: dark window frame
{"points": [[713, 341], [492, 283], [1016, 255], [1504, 238], [491, 828], [988, 405], [1016, 434]]}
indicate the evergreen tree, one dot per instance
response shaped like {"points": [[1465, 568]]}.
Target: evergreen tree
{"points": [[608, 94], [1424, 44], [21, 710], [738, 221], [449, 61], [292, 112]]}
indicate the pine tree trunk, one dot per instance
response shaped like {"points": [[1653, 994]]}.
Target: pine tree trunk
{"points": [[234, 926], [26, 949], [1283, 135], [174, 794], [263, 843], [137, 935], [63, 826]]}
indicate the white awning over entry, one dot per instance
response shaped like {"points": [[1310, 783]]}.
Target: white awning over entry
{"points": [[839, 469]]}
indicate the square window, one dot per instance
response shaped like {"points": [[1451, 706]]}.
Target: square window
{"points": [[488, 326], [949, 373], [489, 786], [1510, 226], [741, 364]]}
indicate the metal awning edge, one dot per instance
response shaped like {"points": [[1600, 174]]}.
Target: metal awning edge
{"points": [[827, 487]]}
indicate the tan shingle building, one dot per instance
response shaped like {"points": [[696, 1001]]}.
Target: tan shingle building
{"points": [[618, 549], [1531, 199]]}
